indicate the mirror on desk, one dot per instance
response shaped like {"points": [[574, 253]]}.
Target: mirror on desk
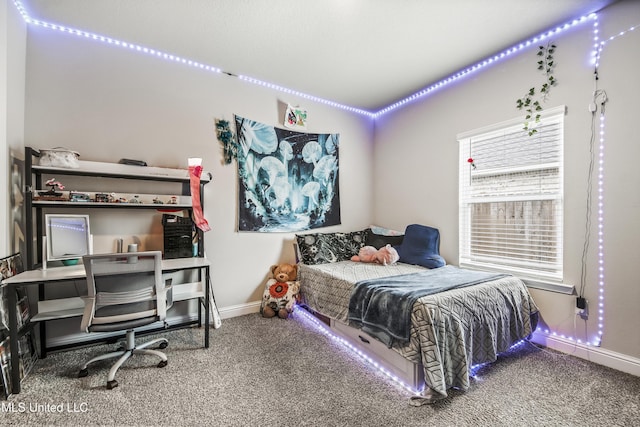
{"points": [[67, 239]]}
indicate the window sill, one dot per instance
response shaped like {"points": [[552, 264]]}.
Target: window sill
{"points": [[540, 283], [561, 288]]}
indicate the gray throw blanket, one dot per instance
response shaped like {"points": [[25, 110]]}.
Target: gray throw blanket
{"points": [[382, 307]]}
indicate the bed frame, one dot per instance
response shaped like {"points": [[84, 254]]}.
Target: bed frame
{"points": [[408, 373], [450, 330], [327, 288]]}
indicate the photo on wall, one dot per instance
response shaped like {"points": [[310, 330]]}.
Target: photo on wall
{"points": [[295, 117], [288, 180]]}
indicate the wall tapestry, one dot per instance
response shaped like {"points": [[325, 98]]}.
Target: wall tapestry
{"points": [[288, 179]]}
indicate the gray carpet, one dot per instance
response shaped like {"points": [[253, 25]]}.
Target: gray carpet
{"points": [[285, 373]]}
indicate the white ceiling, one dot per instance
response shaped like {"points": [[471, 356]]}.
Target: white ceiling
{"points": [[361, 53]]}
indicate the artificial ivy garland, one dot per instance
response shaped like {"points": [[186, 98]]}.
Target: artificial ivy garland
{"points": [[531, 102]]}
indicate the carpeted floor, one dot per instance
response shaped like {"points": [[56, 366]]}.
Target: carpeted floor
{"points": [[285, 373]]}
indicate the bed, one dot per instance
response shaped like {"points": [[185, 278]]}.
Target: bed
{"points": [[450, 331]]}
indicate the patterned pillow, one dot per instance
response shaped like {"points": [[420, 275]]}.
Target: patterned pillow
{"points": [[323, 248]]}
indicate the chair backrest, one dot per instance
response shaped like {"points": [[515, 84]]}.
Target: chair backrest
{"points": [[124, 290]]}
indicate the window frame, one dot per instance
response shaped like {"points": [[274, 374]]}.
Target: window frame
{"points": [[545, 280]]}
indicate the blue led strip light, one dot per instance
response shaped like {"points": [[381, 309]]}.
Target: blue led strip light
{"points": [[598, 47], [111, 41], [598, 340], [178, 59], [306, 96], [310, 319], [601, 282], [195, 64], [488, 61]]}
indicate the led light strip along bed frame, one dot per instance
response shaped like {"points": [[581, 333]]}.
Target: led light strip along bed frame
{"points": [[309, 318]]}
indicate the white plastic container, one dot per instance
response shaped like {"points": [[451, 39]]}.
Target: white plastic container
{"points": [[59, 157]]}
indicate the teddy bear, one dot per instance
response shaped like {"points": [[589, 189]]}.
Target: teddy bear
{"points": [[281, 291], [386, 255]]}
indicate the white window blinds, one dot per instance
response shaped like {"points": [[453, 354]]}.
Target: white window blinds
{"points": [[511, 192]]}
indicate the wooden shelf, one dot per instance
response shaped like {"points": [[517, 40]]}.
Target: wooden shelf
{"points": [[74, 306], [186, 291], [144, 200], [166, 207], [58, 309], [67, 204], [117, 170]]}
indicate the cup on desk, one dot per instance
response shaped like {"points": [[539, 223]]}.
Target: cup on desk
{"points": [[133, 247]]}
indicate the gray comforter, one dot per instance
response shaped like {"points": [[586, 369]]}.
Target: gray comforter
{"points": [[382, 307], [450, 331]]}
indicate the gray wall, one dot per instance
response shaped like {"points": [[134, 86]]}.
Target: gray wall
{"points": [[12, 82], [416, 152], [110, 103]]}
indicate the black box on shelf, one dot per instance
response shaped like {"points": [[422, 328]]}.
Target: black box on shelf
{"points": [[178, 236]]}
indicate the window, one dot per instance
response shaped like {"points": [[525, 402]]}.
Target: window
{"points": [[511, 196]]}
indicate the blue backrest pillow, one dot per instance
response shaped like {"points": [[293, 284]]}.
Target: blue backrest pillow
{"points": [[421, 246]]}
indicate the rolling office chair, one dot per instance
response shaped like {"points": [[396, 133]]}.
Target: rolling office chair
{"points": [[125, 291]]}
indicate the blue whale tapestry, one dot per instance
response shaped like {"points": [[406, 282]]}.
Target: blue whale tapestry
{"points": [[288, 180]]}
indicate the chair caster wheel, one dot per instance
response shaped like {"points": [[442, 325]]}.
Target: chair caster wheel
{"points": [[162, 364], [112, 384], [163, 345], [83, 373]]}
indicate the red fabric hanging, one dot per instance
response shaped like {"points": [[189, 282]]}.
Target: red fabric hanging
{"points": [[194, 176]]}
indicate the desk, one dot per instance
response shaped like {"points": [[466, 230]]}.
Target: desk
{"points": [[72, 307]]}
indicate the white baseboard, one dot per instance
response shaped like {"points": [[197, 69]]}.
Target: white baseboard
{"points": [[601, 356], [239, 310]]}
